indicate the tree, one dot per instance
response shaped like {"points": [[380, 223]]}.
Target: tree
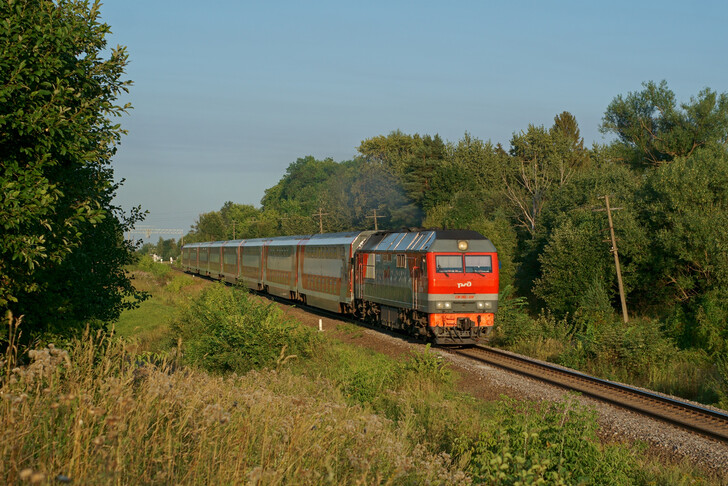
{"points": [[358, 189], [542, 159], [685, 209], [569, 144], [210, 227], [415, 161], [653, 130], [303, 184], [58, 99], [530, 176]]}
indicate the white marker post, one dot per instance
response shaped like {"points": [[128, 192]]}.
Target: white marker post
{"points": [[321, 325]]}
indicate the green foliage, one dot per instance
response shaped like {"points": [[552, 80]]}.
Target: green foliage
{"points": [[510, 317], [572, 260], [686, 207], [159, 270], [367, 378], [541, 160], [427, 365], [572, 253], [653, 130], [358, 189], [226, 330], [304, 183], [415, 161], [546, 443], [165, 249], [62, 248]]}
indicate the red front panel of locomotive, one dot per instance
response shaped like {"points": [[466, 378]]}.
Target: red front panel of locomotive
{"points": [[462, 285]]}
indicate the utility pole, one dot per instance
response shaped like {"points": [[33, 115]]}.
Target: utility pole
{"points": [[321, 215], [609, 210], [376, 227]]}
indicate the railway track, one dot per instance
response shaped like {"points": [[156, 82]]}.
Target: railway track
{"points": [[702, 420], [689, 416]]}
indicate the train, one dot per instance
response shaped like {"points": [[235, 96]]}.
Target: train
{"points": [[439, 285]]}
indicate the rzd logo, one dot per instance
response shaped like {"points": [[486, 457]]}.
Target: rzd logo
{"points": [[466, 284]]}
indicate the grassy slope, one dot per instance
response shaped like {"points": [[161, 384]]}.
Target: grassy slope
{"points": [[345, 415]]}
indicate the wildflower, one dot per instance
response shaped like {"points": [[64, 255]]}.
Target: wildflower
{"points": [[97, 411], [255, 475], [37, 477], [215, 413]]}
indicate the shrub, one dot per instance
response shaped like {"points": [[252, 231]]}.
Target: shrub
{"points": [[554, 443], [147, 264], [225, 329]]}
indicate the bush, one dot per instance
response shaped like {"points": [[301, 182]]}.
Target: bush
{"points": [[554, 443], [225, 329], [147, 264]]}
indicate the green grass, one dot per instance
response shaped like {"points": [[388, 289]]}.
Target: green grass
{"points": [[299, 408], [148, 324], [169, 290]]}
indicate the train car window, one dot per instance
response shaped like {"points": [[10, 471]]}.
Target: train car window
{"points": [[478, 264], [449, 263], [370, 268]]}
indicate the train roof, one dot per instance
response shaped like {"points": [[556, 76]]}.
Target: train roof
{"points": [[428, 240], [382, 241], [319, 239]]}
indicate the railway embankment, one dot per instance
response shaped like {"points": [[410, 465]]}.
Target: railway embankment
{"points": [[346, 405]]}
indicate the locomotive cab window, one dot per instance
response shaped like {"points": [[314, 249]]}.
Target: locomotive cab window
{"points": [[478, 264], [449, 263]]}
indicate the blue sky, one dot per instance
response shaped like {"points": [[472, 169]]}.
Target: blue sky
{"points": [[228, 93]]}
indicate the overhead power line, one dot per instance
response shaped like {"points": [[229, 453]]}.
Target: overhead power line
{"points": [[149, 231]]}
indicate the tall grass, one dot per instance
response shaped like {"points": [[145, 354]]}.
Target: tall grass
{"points": [[102, 413], [639, 353], [149, 324], [94, 416]]}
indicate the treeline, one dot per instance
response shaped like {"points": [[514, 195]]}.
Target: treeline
{"points": [[541, 202]]}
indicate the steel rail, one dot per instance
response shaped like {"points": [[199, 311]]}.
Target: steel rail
{"points": [[693, 417], [686, 415]]}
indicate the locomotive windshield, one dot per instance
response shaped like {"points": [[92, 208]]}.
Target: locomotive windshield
{"points": [[478, 264], [449, 263], [471, 263]]}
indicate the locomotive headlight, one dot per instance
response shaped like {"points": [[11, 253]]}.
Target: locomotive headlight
{"points": [[448, 305], [484, 305], [443, 305], [462, 245]]}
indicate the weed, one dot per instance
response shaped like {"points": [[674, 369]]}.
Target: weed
{"points": [[224, 329]]}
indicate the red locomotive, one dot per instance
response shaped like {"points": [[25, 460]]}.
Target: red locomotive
{"points": [[438, 284]]}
